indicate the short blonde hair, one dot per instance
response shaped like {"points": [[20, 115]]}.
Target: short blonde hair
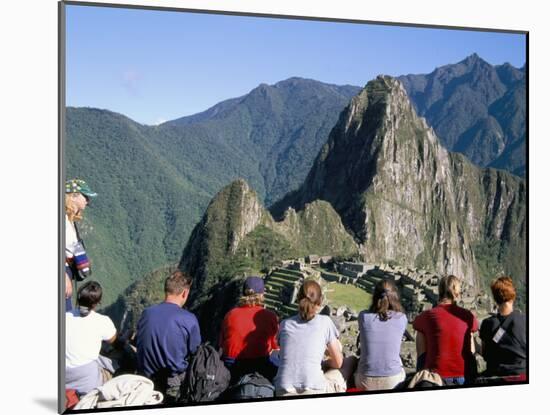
{"points": [[449, 288], [251, 300], [72, 212]]}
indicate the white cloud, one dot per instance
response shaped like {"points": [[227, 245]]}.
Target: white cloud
{"points": [[130, 81]]}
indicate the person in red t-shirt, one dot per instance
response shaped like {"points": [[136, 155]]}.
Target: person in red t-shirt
{"points": [[248, 334], [444, 341]]}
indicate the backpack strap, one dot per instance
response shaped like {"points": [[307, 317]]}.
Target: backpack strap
{"points": [[503, 329], [78, 236]]}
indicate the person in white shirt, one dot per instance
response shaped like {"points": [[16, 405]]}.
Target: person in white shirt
{"points": [[77, 197], [85, 369]]}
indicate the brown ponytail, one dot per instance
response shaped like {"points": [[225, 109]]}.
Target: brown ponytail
{"points": [[310, 298], [385, 299]]}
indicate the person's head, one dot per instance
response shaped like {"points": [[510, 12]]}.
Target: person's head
{"points": [[177, 286], [449, 288], [310, 298], [503, 290], [88, 297], [253, 292], [77, 197], [385, 299]]}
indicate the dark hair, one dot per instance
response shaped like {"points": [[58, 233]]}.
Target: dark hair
{"points": [[310, 297], [385, 299], [503, 290], [449, 288], [88, 297], [177, 282]]}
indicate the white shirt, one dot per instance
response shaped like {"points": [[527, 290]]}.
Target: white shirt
{"points": [[84, 336], [70, 238]]}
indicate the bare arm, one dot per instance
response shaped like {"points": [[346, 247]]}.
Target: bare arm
{"points": [[334, 350], [68, 286]]}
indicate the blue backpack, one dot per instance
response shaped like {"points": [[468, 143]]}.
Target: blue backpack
{"points": [[252, 386]]}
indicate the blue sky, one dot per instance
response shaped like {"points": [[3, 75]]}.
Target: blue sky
{"points": [[154, 66]]}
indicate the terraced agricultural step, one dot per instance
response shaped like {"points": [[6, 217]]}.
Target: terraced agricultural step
{"points": [[273, 304], [276, 283], [289, 310], [273, 287], [281, 281], [285, 277], [290, 271], [272, 296]]}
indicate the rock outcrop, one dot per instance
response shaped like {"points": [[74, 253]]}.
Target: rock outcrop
{"points": [[237, 236], [403, 196]]}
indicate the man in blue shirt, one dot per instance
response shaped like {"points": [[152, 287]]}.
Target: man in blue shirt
{"points": [[166, 336]]}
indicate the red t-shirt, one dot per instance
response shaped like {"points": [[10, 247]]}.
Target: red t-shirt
{"points": [[447, 329], [249, 332]]}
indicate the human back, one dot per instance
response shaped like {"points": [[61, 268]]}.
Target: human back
{"points": [[303, 345], [504, 334], [166, 337], [303, 341], [249, 330], [167, 334], [85, 330], [381, 330], [445, 333]]}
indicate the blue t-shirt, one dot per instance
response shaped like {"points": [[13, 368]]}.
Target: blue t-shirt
{"points": [[381, 343], [166, 335]]}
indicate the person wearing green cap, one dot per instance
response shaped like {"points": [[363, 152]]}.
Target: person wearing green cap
{"points": [[77, 265]]}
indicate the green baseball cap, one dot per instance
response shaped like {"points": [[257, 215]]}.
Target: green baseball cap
{"points": [[79, 186]]}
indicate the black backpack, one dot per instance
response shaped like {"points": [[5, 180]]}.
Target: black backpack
{"points": [[207, 377], [252, 386]]}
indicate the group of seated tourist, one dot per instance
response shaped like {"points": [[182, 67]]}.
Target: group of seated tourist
{"points": [[302, 354]]}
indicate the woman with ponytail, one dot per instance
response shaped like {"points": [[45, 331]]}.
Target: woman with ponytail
{"points": [[85, 329], [303, 341], [381, 329]]}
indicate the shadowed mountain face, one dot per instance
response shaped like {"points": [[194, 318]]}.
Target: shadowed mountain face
{"points": [[404, 197], [476, 109]]}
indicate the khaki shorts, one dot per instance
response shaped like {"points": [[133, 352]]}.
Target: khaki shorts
{"points": [[374, 383], [335, 383]]}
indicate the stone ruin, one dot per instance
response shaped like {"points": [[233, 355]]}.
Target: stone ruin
{"points": [[418, 289]]}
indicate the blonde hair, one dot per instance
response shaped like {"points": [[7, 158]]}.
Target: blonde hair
{"points": [[251, 300], [449, 288], [72, 212]]}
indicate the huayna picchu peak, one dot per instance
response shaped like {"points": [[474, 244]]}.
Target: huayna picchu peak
{"points": [[404, 197]]}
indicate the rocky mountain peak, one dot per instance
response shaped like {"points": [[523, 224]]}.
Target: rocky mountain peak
{"points": [[398, 191]]}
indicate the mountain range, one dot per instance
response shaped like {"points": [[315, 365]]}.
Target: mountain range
{"points": [[476, 109], [382, 187], [155, 182]]}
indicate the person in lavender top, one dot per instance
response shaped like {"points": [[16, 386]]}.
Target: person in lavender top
{"points": [[381, 330]]}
